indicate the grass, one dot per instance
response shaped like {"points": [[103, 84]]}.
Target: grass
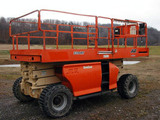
{"points": [[154, 50], [4, 52], [67, 46], [9, 76], [9, 73]]}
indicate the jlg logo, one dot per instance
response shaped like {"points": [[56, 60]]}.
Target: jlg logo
{"points": [[133, 51]]}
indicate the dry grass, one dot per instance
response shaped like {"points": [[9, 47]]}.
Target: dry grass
{"points": [[147, 71], [9, 73], [4, 48]]}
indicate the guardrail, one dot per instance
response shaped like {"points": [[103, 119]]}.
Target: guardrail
{"points": [[124, 30]]}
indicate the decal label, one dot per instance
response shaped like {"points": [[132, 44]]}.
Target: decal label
{"points": [[104, 52], [133, 55], [105, 56], [78, 53], [43, 73], [87, 67]]}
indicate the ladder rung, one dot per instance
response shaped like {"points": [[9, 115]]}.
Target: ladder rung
{"points": [[104, 63], [105, 82], [105, 73]]}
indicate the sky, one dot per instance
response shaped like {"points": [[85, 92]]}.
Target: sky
{"points": [[141, 10]]}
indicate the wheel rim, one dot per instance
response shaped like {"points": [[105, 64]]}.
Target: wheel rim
{"points": [[59, 101], [132, 87]]}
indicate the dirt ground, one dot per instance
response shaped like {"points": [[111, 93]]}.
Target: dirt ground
{"points": [[146, 106]]}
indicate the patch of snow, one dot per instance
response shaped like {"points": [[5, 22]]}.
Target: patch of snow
{"points": [[11, 65], [124, 63], [130, 62]]}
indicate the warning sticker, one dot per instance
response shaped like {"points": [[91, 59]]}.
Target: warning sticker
{"points": [[133, 30]]}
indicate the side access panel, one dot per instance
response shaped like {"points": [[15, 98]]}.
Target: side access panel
{"points": [[113, 74], [84, 78]]}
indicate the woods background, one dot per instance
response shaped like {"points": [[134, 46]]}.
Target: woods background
{"points": [[153, 34]]}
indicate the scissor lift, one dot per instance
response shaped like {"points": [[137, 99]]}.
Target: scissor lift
{"points": [[57, 76]]}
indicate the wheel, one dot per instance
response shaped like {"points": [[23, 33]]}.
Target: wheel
{"points": [[17, 92], [56, 100], [128, 86]]}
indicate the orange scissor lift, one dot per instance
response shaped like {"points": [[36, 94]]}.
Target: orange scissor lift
{"points": [[57, 76]]}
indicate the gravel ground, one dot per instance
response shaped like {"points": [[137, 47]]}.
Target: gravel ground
{"points": [[146, 106]]}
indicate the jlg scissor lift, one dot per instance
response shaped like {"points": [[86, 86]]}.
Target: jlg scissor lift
{"points": [[58, 76]]}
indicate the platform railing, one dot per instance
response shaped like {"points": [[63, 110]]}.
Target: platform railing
{"points": [[110, 33]]}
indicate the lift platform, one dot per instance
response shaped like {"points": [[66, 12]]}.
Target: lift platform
{"points": [[130, 30], [56, 75]]}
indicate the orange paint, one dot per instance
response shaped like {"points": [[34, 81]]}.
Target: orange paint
{"points": [[113, 74], [85, 78]]}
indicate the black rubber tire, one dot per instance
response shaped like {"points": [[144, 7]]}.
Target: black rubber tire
{"points": [[49, 97], [17, 92], [128, 86]]}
